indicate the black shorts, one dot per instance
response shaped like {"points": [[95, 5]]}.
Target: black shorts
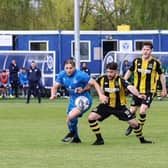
{"points": [[137, 102], [105, 111]]}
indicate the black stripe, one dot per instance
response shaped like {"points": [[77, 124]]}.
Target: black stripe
{"points": [[118, 99], [106, 80], [139, 74], [148, 78], [97, 129]]}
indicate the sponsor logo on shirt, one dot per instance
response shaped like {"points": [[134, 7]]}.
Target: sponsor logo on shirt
{"points": [[111, 90], [144, 71]]}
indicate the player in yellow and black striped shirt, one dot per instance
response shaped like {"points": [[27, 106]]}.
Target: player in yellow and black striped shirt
{"points": [[146, 70], [114, 88]]}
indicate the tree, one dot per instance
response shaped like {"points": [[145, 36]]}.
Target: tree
{"points": [[149, 14], [94, 14], [11, 13]]}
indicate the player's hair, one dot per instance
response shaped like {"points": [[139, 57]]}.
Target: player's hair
{"points": [[148, 43], [112, 66], [70, 61]]}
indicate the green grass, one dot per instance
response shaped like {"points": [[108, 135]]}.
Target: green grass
{"points": [[30, 137]]}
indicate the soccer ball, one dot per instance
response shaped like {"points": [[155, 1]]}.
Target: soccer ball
{"points": [[82, 102]]}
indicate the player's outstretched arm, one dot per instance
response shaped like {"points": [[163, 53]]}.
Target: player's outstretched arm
{"points": [[135, 92], [127, 75], [100, 92], [54, 91]]}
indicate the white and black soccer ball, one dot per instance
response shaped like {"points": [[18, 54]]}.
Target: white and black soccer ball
{"points": [[82, 102]]}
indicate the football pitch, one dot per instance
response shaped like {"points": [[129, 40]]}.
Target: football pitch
{"points": [[30, 137]]}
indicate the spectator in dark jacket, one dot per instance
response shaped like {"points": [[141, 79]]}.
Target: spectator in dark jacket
{"points": [[13, 76], [34, 78], [125, 67], [85, 68]]}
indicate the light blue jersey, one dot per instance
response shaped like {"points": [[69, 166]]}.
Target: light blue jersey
{"points": [[78, 79]]}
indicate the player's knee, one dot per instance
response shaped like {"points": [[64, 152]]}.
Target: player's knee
{"points": [[143, 108], [133, 123], [90, 117], [143, 111], [133, 110], [93, 116]]}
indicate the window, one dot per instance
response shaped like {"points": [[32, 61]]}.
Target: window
{"points": [[138, 44], [109, 45], [38, 45], [84, 50]]}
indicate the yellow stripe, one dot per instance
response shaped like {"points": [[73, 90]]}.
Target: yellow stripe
{"points": [[97, 132], [143, 76], [102, 83], [96, 127], [112, 95], [92, 124], [154, 77], [122, 94], [136, 74], [139, 129]]}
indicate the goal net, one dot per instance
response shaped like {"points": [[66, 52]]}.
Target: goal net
{"points": [[45, 61], [120, 57]]}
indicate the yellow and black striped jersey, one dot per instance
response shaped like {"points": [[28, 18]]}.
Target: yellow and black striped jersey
{"points": [[114, 89], [146, 74]]}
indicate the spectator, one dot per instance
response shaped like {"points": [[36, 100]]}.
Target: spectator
{"points": [[13, 76], [23, 81], [85, 68], [34, 80], [125, 67], [4, 84]]}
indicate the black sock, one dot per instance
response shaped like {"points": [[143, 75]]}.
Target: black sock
{"points": [[94, 125]]}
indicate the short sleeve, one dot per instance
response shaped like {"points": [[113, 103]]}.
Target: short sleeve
{"points": [[132, 66], [159, 68], [124, 82], [84, 77], [59, 78]]}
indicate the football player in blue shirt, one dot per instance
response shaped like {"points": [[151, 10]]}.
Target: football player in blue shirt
{"points": [[75, 81]]}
